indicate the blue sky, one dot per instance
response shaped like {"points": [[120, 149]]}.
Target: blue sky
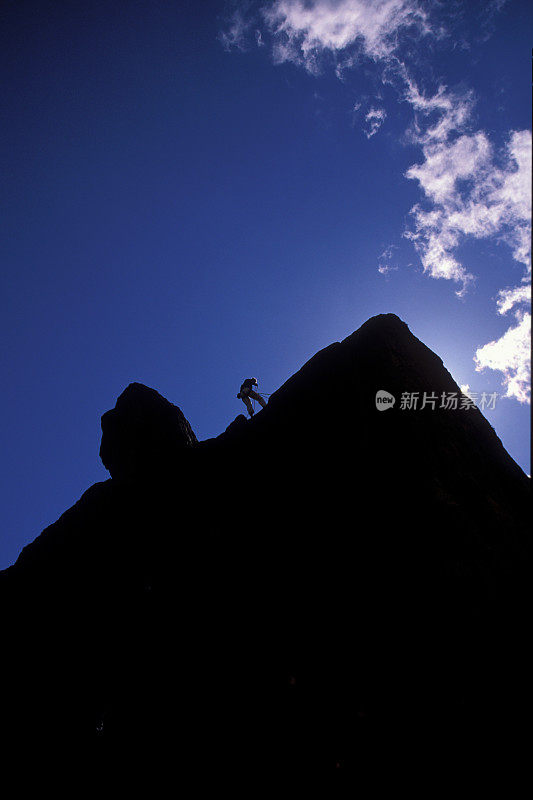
{"points": [[193, 193]]}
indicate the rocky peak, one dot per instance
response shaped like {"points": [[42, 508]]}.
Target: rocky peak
{"points": [[325, 583], [143, 435]]}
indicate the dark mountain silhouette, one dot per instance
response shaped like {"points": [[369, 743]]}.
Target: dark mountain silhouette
{"points": [[326, 588]]}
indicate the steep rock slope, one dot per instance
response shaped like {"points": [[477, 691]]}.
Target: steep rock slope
{"points": [[321, 587]]}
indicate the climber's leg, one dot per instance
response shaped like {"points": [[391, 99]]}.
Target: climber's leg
{"points": [[246, 400], [258, 397]]}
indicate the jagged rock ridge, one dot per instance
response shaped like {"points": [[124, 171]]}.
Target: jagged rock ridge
{"points": [[307, 591]]}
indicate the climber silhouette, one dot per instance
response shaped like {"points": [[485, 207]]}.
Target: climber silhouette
{"points": [[246, 392]]}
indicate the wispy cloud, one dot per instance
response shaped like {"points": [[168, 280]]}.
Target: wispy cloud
{"points": [[510, 355], [239, 24], [385, 261], [374, 119], [305, 31], [491, 10], [508, 298], [472, 190], [436, 115], [469, 187]]}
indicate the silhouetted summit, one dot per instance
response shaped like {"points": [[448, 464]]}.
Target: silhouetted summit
{"points": [[328, 585]]}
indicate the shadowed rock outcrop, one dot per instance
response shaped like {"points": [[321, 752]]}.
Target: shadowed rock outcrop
{"points": [[359, 599], [143, 435]]}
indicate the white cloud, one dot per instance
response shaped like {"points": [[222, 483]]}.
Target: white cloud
{"points": [[467, 158], [375, 119], [511, 355], [454, 109], [435, 250], [470, 190], [304, 30], [508, 298], [510, 194], [465, 191], [385, 266], [469, 187], [473, 191]]}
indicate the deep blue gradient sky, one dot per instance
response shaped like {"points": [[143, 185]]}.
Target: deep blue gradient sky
{"points": [[179, 209]]}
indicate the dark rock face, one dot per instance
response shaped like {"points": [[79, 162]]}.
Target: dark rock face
{"points": [[325, 588], [144, 434]]}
